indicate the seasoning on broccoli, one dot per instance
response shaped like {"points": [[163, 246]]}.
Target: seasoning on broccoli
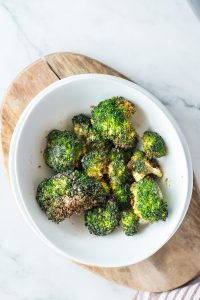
{"points": [[119, 178], [141, 166], [130, 222], [103, 220], [81, 124], [148, 203], [111, 118], [95, 163], [62, 195], [63, 151], [153, 144], [83, 129]]}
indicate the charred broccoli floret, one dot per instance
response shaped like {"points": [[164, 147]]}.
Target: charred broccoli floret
{"points": [[153, 144], [64, 150], [83, 128], [71, 192], [111, 118], [119, 178], [95, 163], [81, 124], [130, 222], [103, 220], [141, 166], [148, 203]]}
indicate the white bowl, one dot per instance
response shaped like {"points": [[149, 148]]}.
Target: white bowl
{"points": [[54, 108]]}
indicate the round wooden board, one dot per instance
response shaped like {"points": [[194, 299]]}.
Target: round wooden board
{"points": [[175, 263]]}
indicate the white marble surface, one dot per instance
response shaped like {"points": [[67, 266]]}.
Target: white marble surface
{"points": [[157, 44]]}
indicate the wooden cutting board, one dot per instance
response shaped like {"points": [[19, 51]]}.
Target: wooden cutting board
{"points": [[175, 263]]}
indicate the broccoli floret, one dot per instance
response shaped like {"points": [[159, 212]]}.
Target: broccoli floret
{"points": [[102, 220], [64, 150], [153, 144], [95, 163], [71, 192], [95, 137], [130, 222], [83, 129], [124, 154], [111, 118], [148, 203], [122, 193], [141, 166], [119, 178], [96, 141], [81, 124]]}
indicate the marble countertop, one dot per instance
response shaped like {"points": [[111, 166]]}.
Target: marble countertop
{"points": [[156, 44]]}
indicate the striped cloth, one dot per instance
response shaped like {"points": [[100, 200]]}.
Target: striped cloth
{"points": [[190, 291]]}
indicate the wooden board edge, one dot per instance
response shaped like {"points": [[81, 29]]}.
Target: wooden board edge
{"points": [[120, 75]]}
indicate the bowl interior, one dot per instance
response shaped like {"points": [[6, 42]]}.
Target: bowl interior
{"points": [[54, 108]]}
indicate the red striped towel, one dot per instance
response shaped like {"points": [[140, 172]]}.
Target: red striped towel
{"points": [[190, 291]]}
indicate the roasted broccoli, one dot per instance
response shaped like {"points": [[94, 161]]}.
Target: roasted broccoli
{"points": [[124, 154], [81, 124], [83, 129], [95, 163], [102, 220], [153, 144], [95, 138], [64, 150], [71, 192], [148, 203], [111, 118], [119, 178], [130, 222], [141, 166], [100, 172]]}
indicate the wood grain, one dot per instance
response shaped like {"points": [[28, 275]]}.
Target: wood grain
{"points": [[26, 85], [174, 264], [65, 65]]}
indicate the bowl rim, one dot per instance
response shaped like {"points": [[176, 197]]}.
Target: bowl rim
{"points": [[13, 150]]}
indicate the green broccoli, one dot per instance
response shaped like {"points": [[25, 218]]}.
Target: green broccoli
{"points": [[83, 129], [124, 154], [95, 163], [153, 144], [119, 178], [111, 118], [148, 203], [141, 166], [81, 124], [63, 151], [130, 222], [71, 192], [103, 220]]}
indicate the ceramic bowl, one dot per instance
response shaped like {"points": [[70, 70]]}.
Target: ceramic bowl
{"points": [[53, 108]]}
